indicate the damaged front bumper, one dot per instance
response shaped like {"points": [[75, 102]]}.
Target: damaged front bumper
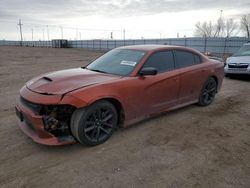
{"points": [[47, 124], [33, 126]]}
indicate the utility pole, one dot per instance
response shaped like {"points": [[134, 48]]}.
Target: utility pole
{"points": [[21, 32], [32, 34], [76, 33], [61, 32], [111, 35], [221, 13], [124, 34], [43, 35], [48, 32], [219, 24], [160, 34]]}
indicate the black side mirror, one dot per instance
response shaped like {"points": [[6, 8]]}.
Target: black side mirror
{"points": [[148, 71]]}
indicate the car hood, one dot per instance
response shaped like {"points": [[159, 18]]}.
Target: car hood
{"points": [[61, 82], [238, 59]]}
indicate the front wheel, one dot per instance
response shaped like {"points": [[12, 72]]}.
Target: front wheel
{"points": [[95, 124], [208, 92]]}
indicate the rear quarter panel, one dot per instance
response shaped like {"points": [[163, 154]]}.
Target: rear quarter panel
{"points": [[212, 68], [219, 73]]}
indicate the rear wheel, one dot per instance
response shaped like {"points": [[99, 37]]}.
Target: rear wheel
{"points": [[208, 92], [95, 124]]}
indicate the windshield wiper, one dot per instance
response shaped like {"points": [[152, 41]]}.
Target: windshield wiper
{"points": [[96, 70]]}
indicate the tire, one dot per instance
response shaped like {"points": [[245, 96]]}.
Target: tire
{"points": [[95, 124], [208, 92], [228, 75]]}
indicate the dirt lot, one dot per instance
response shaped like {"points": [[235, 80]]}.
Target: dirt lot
{"points": [[191, 147]]}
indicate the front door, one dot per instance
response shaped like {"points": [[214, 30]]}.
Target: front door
{"points": [[159, 92]]}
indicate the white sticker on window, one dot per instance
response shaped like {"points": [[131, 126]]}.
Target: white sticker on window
{"points": [[129, 63]]}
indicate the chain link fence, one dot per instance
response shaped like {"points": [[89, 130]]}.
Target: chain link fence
{"points": [[218, 46]]}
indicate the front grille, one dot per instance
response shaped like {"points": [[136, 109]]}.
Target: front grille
{"points": [[238, 66], [36, 108]]}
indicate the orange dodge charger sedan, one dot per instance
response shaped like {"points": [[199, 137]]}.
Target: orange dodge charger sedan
{"points": [[124, 86]]}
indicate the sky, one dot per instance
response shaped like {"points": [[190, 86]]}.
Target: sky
{"points": [[96, 19]]}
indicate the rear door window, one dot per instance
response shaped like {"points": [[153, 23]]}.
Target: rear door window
{"points": [[197, 59], [184, 58]]}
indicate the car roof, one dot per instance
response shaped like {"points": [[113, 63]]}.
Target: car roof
{"points": [[155, 47], [146, 47]]}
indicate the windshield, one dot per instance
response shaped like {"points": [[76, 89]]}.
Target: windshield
{"points": [[243, 51], [118, 61]]}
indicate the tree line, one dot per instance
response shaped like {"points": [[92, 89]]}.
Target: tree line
{"points": [[223, 27]]}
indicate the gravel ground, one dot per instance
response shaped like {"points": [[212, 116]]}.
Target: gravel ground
{"points": [[190, 147]]}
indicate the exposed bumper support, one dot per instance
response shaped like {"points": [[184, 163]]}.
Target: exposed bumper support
{"points": [[32, 125]]}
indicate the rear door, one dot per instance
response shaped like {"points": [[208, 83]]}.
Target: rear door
{"points": [[192, 75]]}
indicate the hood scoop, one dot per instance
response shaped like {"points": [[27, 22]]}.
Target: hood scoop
{"points": [[47, 78]]}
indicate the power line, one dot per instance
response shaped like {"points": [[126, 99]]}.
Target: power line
{"points": [[65, 27], [8, 21], [51, 29]]}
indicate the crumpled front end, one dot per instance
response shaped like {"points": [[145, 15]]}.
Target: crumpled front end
{"points": [[45, 123]]}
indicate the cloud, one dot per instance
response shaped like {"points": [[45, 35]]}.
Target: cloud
{"points": [[62, 9], [133, 15]]}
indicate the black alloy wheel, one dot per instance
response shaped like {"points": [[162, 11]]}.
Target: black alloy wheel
{"points": [[95, 124], [208, 92]]}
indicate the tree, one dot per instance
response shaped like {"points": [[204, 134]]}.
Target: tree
{"points": [[208, 29], [245, 24], [204, 29], [230, 27]]}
